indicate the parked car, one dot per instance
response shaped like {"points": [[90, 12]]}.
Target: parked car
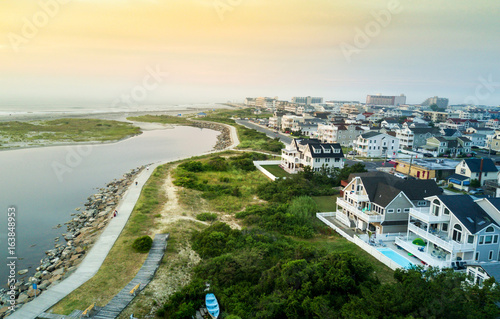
{"points": [[351, 153], [403, 176], [475, 147], [477, 191], [428, 155]]}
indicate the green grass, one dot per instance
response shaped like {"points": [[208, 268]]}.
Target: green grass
{"points": [[276, 170], [66, 130], [326, 203], [122, 262], [164, 119]]}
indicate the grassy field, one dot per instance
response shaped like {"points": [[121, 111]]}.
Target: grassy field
{"points": [[276, 170], [122, 262], [164, 119], [65, 130], [326, 203]]}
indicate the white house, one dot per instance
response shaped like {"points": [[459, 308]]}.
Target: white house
{"points": [[312, 153], [455, 229], [375, 144]]}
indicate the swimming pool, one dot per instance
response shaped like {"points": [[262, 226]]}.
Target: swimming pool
{"points": [[397, 258]]}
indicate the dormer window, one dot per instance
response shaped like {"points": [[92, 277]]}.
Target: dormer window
{"points": [[317, 151]]}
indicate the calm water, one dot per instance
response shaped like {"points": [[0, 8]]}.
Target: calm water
{"points": [[47, 184]]}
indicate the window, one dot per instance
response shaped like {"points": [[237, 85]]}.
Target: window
{"points": [[488, 239], [407, 210], [422, 203], [457, 233], [446, 211], [389, 211], [337, 159], [495, 239], [317, 160], [399, 210], [470, 239], [490, 229], [477, 256], [327, 160], [444, 227], [490, 255], [481, 240], [462, 171]]}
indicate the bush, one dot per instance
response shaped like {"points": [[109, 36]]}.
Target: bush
{"points": [[206, 217], [142, 244]]}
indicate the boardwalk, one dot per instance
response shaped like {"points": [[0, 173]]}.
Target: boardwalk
{"points": [[143, 277]]}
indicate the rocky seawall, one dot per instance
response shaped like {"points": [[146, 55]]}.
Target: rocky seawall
{"points": [[223, 139], [82, 232]]}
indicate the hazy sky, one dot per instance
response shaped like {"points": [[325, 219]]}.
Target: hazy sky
{"points": [[216, 50]]}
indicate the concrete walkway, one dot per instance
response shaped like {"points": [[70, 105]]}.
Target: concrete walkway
{"points": [[95, 257]]}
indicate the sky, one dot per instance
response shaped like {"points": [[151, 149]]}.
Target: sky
{"points": [[121, 52]]}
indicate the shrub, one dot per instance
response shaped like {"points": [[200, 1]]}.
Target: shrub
{"points": [[142, 244], [206, 217]]}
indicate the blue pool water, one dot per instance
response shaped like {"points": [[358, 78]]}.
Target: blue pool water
{"points": [[397, 258]]}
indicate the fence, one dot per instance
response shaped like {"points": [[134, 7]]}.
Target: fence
{"points": [[263, 170], [358, 241]]}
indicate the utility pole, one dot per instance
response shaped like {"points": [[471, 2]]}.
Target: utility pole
{"points": [[409, 169]]}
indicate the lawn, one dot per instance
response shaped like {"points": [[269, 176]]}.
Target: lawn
{"points": [[326, 203], [276, 170]]}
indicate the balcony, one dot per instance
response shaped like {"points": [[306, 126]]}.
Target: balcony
{"points": [[440, 239], [367, 216], [357, 196], [423, 255], [424, 214]]}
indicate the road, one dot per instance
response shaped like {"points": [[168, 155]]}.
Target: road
{"points": [[269, 132], [370, 166]]}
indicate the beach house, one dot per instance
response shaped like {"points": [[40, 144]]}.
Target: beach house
{"points": [[453, 230], [380, 202], [312, 153]]}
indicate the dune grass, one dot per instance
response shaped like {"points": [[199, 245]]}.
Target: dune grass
{"points": [[164, 119], [66, 130]]}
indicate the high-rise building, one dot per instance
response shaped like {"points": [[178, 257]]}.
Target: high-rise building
{"points": [[441, 102], [307, 100], [386, 100]]}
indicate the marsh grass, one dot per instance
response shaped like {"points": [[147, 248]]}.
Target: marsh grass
{"points": [[66, 130]]}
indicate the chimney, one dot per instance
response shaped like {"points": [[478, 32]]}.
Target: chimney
{"points": [[480, 171]]}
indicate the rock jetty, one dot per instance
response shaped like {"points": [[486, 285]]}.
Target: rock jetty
{"points": [[223, 139], [82, 232]]}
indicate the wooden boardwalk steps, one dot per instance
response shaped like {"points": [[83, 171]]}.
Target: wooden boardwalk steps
{"points": [[143, 277]]}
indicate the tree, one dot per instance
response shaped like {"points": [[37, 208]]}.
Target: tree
{"points": [[475, 183]]}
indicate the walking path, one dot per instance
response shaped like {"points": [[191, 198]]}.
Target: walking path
{"points": [[94, 259], [143, 277]]}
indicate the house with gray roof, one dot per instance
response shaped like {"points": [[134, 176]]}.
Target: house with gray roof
{"points": [[480, 272], [439, 145], [482, 169], [312, 153], [453, 230], [380, 202]]}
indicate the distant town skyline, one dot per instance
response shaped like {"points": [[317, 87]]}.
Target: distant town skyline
{"points": [[192, 51]]}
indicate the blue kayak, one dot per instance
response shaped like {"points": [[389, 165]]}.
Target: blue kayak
{"points": [[212, 305]]}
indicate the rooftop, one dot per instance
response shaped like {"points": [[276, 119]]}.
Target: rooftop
{"points": [[431, 164]]}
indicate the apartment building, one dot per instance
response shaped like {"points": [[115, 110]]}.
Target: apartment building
{"points": [[311, 153], [339, 133]]}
